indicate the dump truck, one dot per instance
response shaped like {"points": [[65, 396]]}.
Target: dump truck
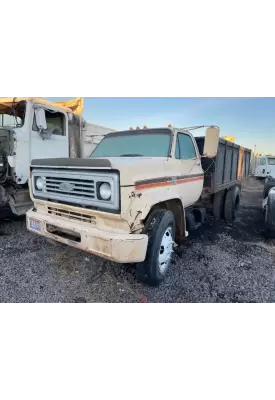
{"points": [[138, 195], [31, 128]]}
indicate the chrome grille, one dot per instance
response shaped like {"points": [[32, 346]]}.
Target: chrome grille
{"points": [[79, 187], [85, 188]]}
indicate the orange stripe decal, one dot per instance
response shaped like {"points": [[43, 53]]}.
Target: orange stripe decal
{"points": [[168, 183], [198, 178], [153, 185]]}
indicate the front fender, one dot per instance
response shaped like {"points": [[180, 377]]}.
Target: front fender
{"points": [[138, 204]]}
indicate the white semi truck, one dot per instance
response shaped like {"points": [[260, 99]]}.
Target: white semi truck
{"points": [[263, 167], [34, 128]]}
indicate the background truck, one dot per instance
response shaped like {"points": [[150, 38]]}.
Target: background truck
{"points": [[138, 193], [263, 166], [36, 128]]}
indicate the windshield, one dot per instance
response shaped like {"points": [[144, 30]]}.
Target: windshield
{"points": [[271, 161], [135, 144], [12, 117]]}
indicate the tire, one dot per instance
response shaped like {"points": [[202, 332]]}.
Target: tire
{"points": [[218, 205], [200, 215], [269, 232], [6, 213], [161, 230], [269, 184], [232, 204], [190, 222]]}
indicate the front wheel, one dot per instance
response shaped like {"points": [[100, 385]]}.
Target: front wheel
{"points": [[161, 230]]}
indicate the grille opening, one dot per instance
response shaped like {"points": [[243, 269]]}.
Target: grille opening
{"points": [[59, 212], [64, 233]]}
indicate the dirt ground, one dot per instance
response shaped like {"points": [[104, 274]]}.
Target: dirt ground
{"points": [[219, 263]]}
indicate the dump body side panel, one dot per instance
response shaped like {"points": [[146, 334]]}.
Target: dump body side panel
{"points": [[230, 165]]}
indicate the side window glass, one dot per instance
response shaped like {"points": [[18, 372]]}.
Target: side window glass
{"points": [[55, 123], [185, 149]]}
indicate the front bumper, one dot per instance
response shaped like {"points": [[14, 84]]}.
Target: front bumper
{"points": [[118, 247]]}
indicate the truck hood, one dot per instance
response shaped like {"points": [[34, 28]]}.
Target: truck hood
{"points": [[132, 169]]}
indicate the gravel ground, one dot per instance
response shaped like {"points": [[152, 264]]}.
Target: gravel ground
{"points": [[219, 263]]}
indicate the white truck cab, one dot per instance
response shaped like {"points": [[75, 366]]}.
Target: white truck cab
{"points": [[32, 128], [264, 166]]}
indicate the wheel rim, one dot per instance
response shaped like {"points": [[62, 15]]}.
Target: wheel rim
{"points": [[166, 250]]}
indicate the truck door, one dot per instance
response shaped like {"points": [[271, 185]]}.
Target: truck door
{"points": [[54, 141], [271, 166], [264, 167], [190, 180], [259, 167]]}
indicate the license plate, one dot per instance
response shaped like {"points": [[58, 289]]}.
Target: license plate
{"points": [[35, 225]]}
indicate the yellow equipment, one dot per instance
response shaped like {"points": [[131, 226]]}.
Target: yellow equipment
{"points": [[75, 105], [229, 138]]}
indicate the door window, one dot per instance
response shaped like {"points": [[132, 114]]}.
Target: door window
{"points": [[263, 161], [55, 122], [185, 149]]}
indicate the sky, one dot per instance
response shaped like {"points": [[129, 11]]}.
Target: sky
{"points": [[250, 120]]}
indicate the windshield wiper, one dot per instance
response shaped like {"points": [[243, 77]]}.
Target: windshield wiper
{"points": [[131, 155]]}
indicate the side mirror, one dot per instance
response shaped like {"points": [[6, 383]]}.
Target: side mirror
{"points": [[40, 119], [211, 142]]}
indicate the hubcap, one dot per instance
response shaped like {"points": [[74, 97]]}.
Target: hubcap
{"points": [[166, 250]]}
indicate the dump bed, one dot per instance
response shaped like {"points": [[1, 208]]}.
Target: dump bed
{"points": [[231, 164]]}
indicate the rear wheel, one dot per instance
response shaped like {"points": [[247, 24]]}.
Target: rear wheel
{"points": [[161, 229], [218, 205], [190, 222], [232, 204]]}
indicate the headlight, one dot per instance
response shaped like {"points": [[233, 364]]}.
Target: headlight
{"points": [[105, 191], [39, 183]]}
